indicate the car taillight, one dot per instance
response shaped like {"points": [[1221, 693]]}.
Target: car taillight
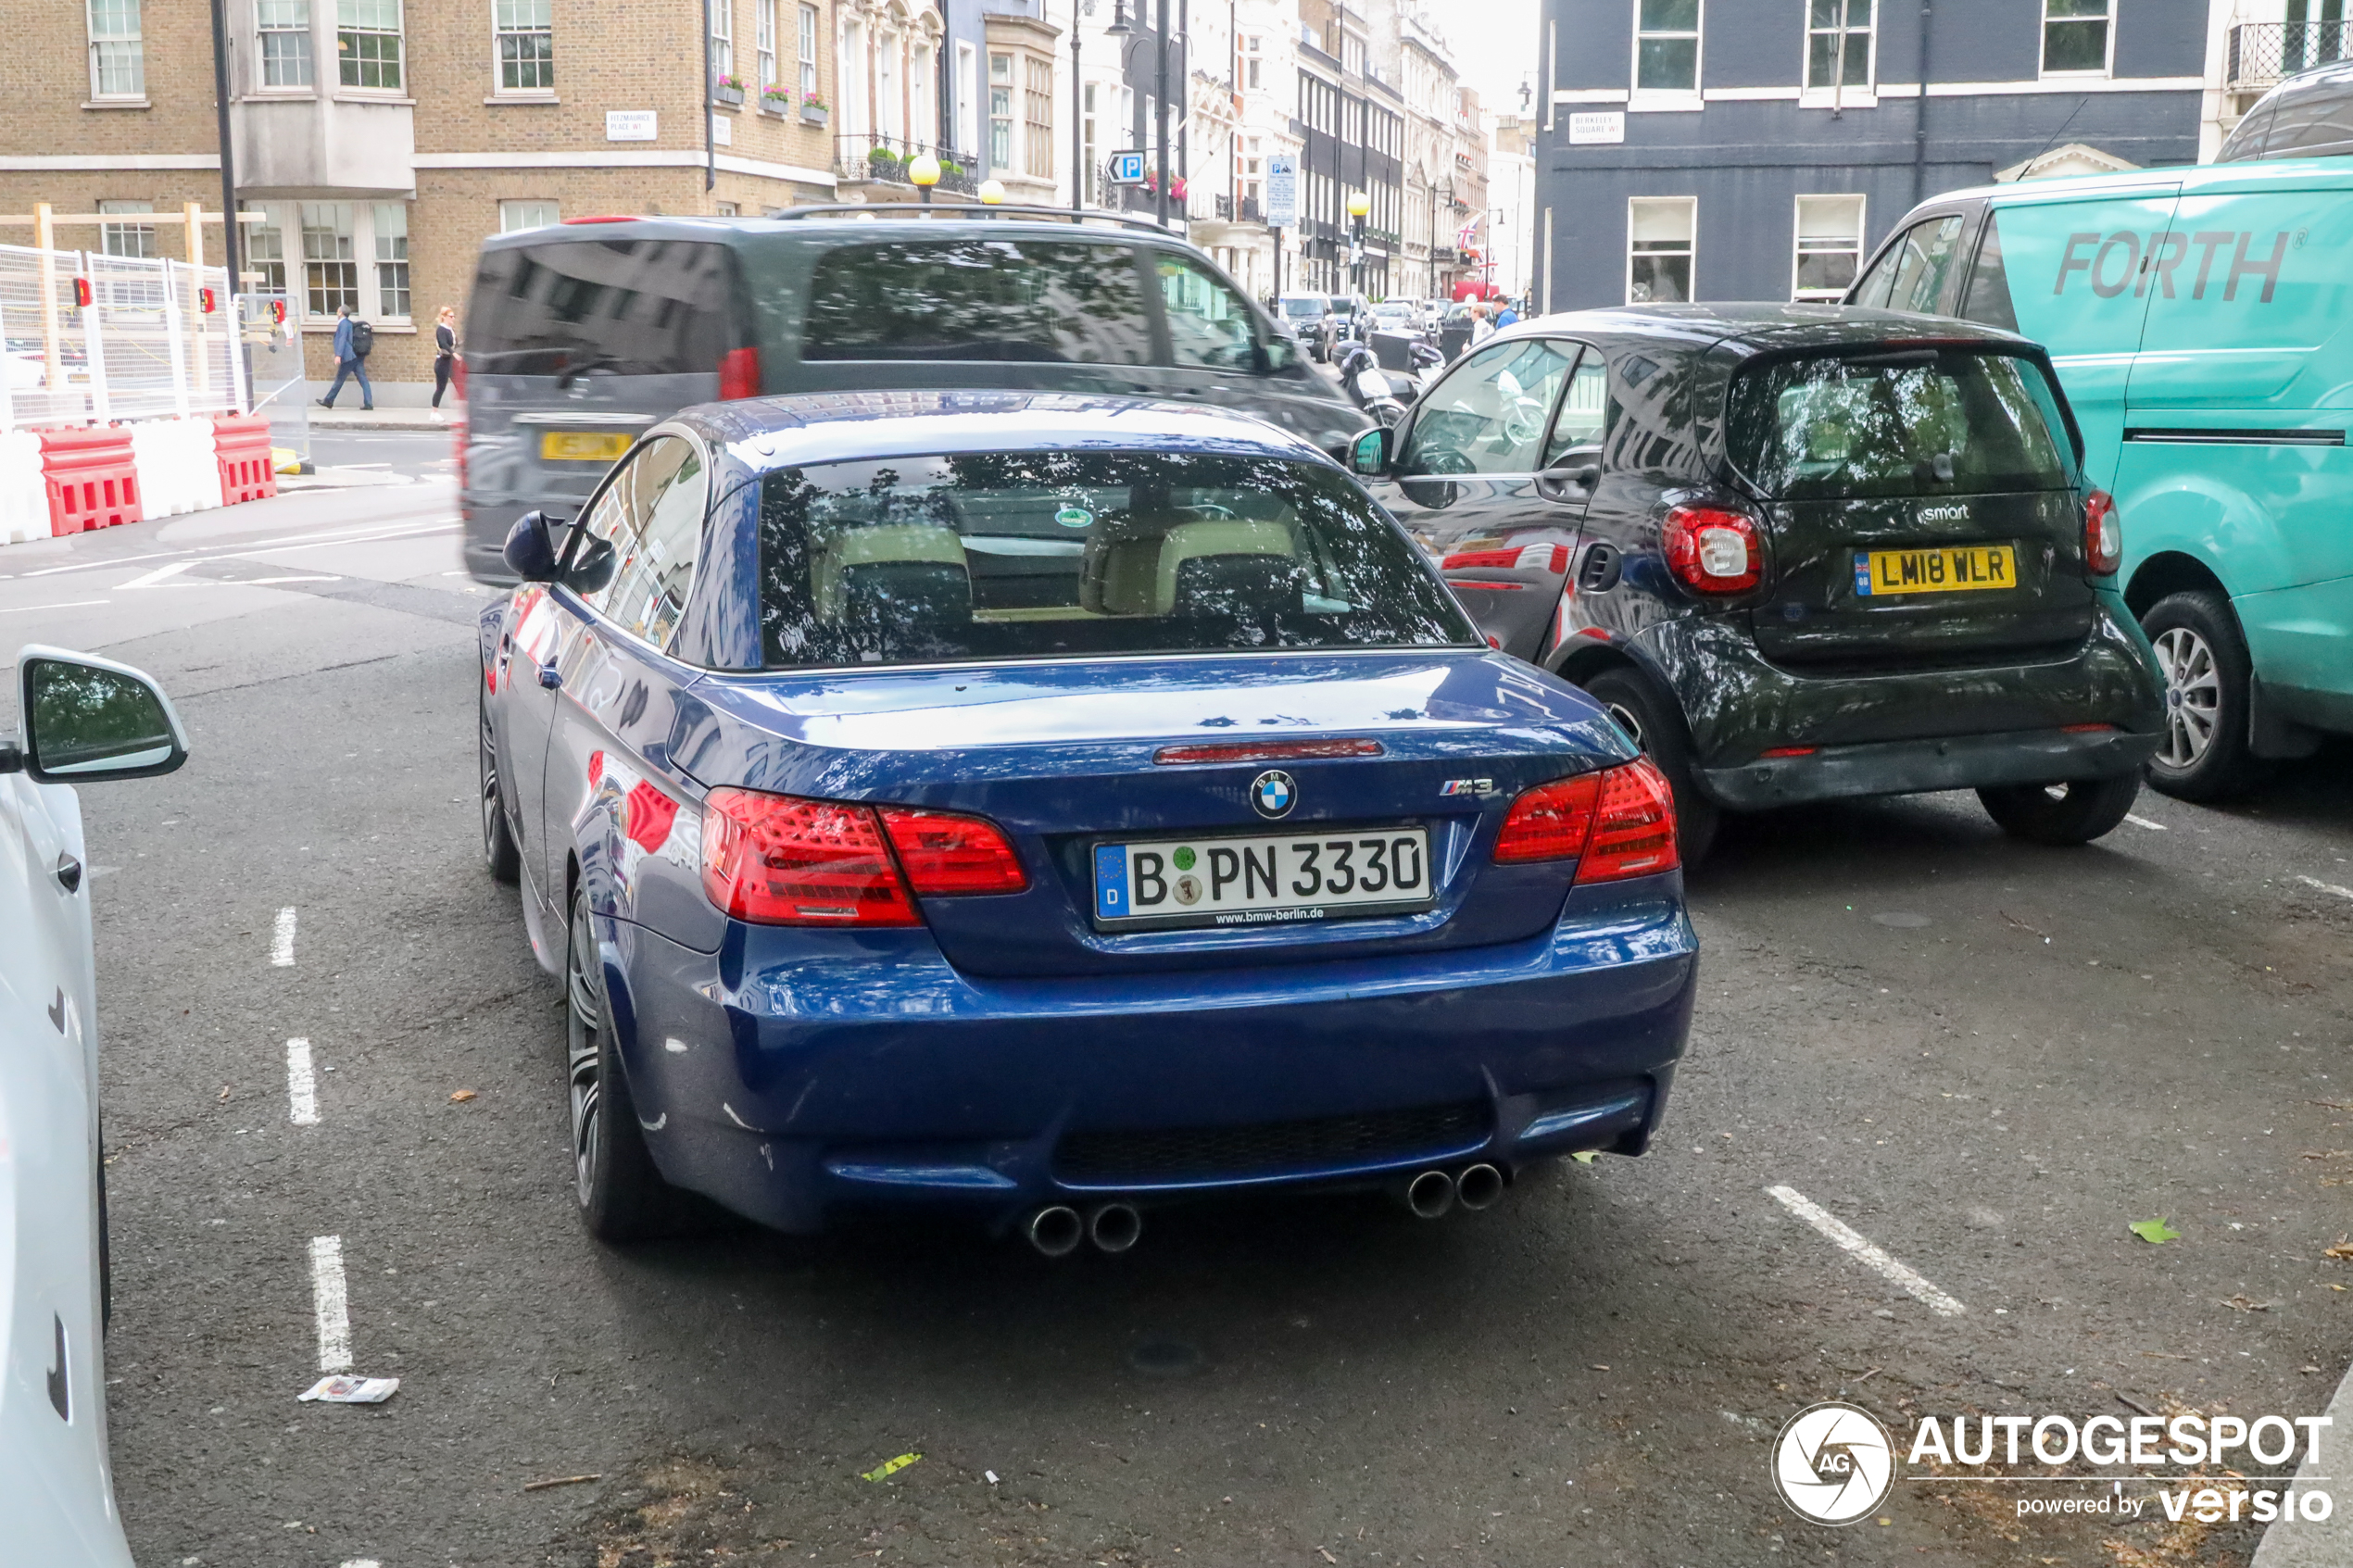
{"points": [[2103, 535], [943, 853], [773, 860], [1615, 824], [739, 374], [1712, 550]]}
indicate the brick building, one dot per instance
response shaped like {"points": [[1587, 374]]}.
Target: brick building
{"points": [[378, 141]]}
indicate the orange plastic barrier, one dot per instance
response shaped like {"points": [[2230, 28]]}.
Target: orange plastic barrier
{"points": [[241, 443], [91, 477]]}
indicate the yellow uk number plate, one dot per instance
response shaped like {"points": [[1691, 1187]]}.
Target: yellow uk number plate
{"points": [[1959, 569], [581, 447]]}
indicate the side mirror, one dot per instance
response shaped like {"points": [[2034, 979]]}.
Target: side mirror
{"points": [[531, 549], [1369, 454], [87, 718]]}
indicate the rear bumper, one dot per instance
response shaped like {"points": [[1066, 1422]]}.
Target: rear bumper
{"points": [[805, 1086], [1908, 767]]}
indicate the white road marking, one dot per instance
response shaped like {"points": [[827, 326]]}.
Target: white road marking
{"points": [[155, 578], [362, 1563], [1870, 1257], [2326, 887], [267, 581], [2145, 822], [302, 1087], [70, 604], [367, 534], [281, 939], [329, 1303]]}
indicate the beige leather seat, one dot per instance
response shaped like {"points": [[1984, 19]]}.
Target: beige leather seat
{"points": [[1134, 567], [921, 564]]}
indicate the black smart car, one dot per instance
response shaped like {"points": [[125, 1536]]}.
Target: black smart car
{"points": [[1801, 552]]}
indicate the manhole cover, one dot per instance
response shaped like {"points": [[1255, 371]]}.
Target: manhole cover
{"points": [[1164, 1358]]}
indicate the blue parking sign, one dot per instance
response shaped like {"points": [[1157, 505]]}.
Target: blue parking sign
{"points": [[1127, 168]]}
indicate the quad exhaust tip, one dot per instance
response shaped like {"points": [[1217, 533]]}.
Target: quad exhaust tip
{"points": [[1431, 1193], [1115, 1227], [1056, 1230], [1480, 1187]]}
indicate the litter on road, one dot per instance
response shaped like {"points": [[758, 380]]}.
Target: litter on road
{"points": [[889, 1468], [344, 1389]]}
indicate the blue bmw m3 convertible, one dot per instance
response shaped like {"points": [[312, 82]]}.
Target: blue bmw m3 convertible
{"points": [[1054, 807]]}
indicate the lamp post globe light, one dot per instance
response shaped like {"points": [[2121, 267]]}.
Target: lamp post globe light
{"points": [[923, 170], [1359, 204], [992, 191]]}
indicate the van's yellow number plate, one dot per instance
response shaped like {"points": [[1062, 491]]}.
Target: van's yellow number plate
{"points": [[580, 445], [1959, 569]]}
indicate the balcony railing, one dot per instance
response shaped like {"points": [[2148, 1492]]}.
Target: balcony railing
{"points": [[883, 160], [2263, 54]]}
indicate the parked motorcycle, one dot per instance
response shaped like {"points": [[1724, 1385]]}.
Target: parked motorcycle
{"points": [[1383, 393]]}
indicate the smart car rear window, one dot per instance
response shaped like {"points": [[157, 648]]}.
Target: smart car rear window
{"points": [[1029, 555], [1058, 302], [1897, 422], [631, 308], [2307, 116]]}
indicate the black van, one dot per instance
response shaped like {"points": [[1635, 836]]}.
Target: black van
{"points": [[1799, 552], [581, 335]]}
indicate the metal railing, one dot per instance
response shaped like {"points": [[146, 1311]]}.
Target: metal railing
{"points": [[146, 346], [883, 160], [2264, 54]]}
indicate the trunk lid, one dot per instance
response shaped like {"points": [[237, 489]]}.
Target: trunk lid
{"points": [[1061, 757]]}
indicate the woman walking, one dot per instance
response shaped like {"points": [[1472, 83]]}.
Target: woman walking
{"points": [[445, 351]]}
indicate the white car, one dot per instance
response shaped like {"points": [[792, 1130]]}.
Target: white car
{"points": [[83, 719]]}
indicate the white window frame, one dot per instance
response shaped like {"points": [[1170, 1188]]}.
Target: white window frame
{"points": [[2042, 45], [1010, 119], [398, 31], [968, 147], [805, 44], [528, 212], [300, 32], [1690, 248], [501, 30], [766, 70], [387, 250], [133, 43], [1860, 95], [1799, 250], [1667, 98], [721, 42], [127, 238]]}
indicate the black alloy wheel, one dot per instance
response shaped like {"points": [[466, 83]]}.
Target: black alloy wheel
{"points": [[500, 851], [1653, 723], [2074, 812], [2203, 656], [623, 1196]]}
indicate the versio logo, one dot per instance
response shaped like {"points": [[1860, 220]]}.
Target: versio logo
{"points": [[1833, 1462]]}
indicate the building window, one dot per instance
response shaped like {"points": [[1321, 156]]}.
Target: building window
{"points": [[764, 38], [1001, 111], [967, 100], [1091, 168], [923, 99], [1830, 246], [284, 30], [330, 266], [392, 259], [529, 214], [1253, 59], [1667, 46], [526, 46], [722, 40], [118, 56], [2076, 36], [1838, 43], [1038, 117], [266, 256], [367, 43], [126, 239], [729, 209], [1352, 54], [808, 50], [1658, 250]]}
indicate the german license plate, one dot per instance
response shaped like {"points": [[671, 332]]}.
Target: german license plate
{"points": [[1957, 569], [1263, 880], [581, 447]]}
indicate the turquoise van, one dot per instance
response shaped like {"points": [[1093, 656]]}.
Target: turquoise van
{"points": [[2201, 320]]}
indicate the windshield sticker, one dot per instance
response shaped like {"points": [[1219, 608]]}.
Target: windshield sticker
{"points": [[1074, 517]]}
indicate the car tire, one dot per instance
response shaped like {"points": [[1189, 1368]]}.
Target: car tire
{"points": [[1654, 723], [2202, 654], [622, 1194], [500, 851], [2075, 812]]}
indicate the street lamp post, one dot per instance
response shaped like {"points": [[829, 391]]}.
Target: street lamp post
{"points": [[1159, 109], [1359, 204], [923, 171], [1078, 142]]}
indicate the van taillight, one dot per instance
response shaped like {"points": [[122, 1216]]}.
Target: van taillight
{"points": [[1615, 824], [1713, 550], [739, 374], [2103, 535]]}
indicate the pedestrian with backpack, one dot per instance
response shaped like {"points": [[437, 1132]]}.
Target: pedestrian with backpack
{"points": [[354, 340]]}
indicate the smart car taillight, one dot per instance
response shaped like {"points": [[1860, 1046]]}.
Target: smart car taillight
{"points": [[2103, 535], [943, 853], [1619, 822], [1713, 550], [739, 374], [775, 859]]}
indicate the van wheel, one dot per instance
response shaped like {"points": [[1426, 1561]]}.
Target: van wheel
{"points": [[2075, 812], [623, 1196], [1653, 723], [2202, 654]]}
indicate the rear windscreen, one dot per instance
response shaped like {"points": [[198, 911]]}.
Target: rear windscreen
{"points": [[2311, 118], [1020, 555], [1054, 301], [633, 308], [1927, 421]]}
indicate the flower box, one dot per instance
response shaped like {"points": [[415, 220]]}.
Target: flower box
{"points": [[814, 114], [724, 92]]}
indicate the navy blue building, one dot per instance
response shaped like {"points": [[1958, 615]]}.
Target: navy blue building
{"points": [[1757, 149]]}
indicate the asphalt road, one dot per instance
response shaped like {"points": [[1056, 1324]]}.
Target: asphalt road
{"points": [[1986, 1058]]}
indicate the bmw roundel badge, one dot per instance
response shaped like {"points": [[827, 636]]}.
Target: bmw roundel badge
{"points": [[1273, 794]]}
